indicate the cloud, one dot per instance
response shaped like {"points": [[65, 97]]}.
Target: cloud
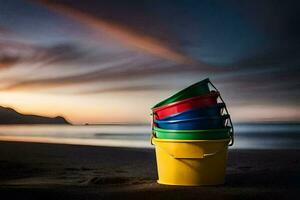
{"points": [[4, 31], [83, 65], [129, 88], [122, 33], [7, 61], [63, 53], [14, 52], [132, 68]]}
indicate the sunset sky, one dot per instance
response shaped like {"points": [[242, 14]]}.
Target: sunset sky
{"points": [[110, 61]]}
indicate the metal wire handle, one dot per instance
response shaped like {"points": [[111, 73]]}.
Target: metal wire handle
{"points": [[231, 125], [152, 128]]}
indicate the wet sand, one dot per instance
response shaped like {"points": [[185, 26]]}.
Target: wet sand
{"points": [[56, 171]]}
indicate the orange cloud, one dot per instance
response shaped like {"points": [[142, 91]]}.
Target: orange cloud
{"points": [[4, 65], [129, 37]]}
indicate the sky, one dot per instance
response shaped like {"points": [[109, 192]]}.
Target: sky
{"points": [[110, 61]]}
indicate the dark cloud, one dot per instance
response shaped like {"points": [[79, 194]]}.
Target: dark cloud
{"points": [[14, 52], [7, 61], [4, 31], [64, 53]]}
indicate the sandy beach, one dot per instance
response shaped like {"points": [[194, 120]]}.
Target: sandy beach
{"points": [[57, 171]]}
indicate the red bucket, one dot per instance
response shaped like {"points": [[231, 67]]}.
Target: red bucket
{"points": [[184, 105]]}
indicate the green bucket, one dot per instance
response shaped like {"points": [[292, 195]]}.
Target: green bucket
{"points": [[196, 89], [210, 134]]}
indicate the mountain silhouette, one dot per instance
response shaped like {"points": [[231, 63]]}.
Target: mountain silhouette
{"points": [[10, 116]]}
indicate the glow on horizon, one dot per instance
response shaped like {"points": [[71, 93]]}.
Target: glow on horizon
{"points": [[80, 109], [122, 108]]}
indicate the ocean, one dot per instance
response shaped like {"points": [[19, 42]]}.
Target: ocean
{"points": [[247, 136]]}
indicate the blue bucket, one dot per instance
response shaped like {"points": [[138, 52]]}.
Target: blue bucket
{"points": [[211, 111], [200, 123]]}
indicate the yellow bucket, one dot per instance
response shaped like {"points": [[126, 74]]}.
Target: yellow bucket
{"points": [[191, 162]]}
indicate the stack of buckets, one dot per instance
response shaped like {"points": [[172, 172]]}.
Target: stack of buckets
{"points": [[191, 134]]}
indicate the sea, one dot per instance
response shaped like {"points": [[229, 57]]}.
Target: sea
{"points": [[247, 136]]}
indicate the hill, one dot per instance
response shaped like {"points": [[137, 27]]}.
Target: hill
{"points": [[10, 116]]}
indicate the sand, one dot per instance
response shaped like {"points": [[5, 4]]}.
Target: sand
{"points": [[56, 171]]}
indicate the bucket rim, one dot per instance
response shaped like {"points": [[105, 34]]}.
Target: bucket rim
{"points": [[210, 94], [216, 106], [202, 82], [222, 117], [191, 131], [190, 141]]}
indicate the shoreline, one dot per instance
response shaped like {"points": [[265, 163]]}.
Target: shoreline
{"points": [[60, 171]]}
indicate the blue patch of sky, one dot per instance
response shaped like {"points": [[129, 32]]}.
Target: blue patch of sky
{"points": [[35, 23]]}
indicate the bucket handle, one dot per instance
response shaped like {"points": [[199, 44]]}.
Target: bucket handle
{"points": [[226, 110], [202, 156], [153, 135], [152, 130]]}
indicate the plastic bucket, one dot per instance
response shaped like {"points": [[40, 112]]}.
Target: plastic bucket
{"points": [[209, 111], [212, 134], [191, 162], [184, 105], [193, 124], [196, 89]]}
